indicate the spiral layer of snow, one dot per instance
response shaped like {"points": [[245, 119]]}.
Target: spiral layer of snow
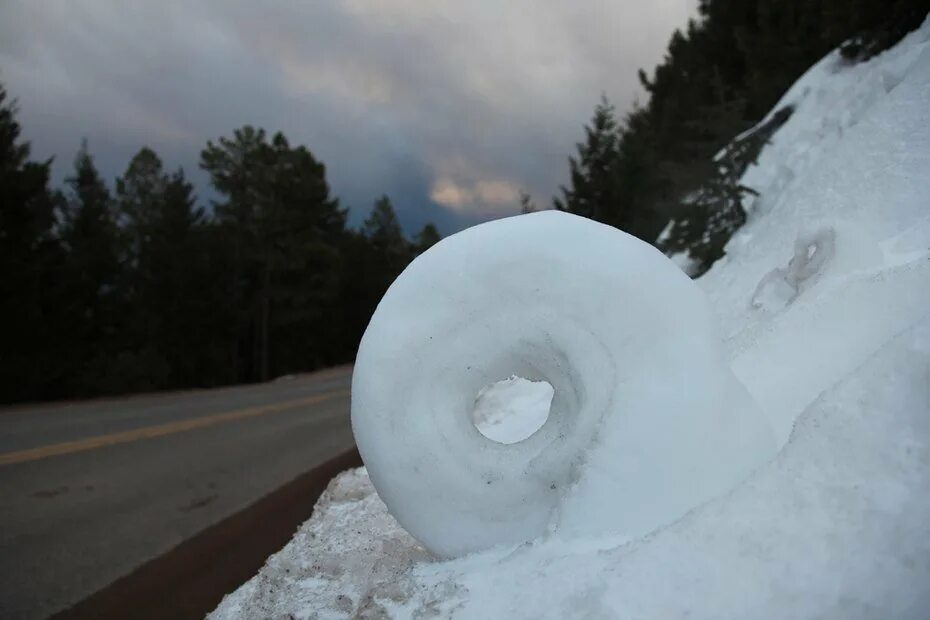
{"points": [[646, 422]]}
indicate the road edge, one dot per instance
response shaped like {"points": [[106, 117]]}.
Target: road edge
{"points": [[191, 579], [33, 405]]}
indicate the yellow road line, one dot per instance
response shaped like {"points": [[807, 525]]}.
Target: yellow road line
{"points": [[150, 432]]}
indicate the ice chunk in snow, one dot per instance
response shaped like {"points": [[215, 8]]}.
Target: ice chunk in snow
{"points": [[646, 420]]}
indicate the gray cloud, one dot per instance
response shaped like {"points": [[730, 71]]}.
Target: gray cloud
{"points": [[451, 108]]}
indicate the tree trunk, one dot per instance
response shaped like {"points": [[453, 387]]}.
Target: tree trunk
{"points": [[264, 321]]}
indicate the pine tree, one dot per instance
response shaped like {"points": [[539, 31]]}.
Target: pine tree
{"points": [[390, 251], [285, 231], [526, 204], [31, 261], [177, 311], [425, 239], [91, 241], [382, 228], [373, 257], [593, 192], [233, 165], [140, 191], [307, 226]]}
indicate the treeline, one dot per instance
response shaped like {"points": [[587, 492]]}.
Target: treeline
{"points": [[134, 288], [718, 78]]}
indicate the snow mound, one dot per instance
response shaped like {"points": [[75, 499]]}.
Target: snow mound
{"points": [[837, 525], [646, 421]]}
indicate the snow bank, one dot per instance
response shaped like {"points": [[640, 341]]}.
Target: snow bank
{"points": [[837, 527], [837, 353], [646, 422], [853, 162]]}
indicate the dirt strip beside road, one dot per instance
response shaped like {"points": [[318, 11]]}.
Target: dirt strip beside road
{"points": [[190, 580]]}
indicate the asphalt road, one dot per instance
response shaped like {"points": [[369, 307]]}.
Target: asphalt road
{"points": [[90, 491]]}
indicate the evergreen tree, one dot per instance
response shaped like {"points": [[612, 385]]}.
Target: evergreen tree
{"points": [[177, 314], [372, 259], [285, 231], [302, 271], [31, 260], [91, 241], [233, 164], [425, 239], [139, 199], [139, 193], [526, 204], [187, 290], [868, 27], [390, 252], [593, 192], [382, 229]]}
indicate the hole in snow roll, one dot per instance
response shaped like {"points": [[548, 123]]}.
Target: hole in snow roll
{"points": [[512, 410]]}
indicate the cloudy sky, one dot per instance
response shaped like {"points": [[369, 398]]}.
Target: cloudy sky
{"points": [[451, 108]]}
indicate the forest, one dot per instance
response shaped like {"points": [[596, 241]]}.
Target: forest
{"points": [[138, 286]]}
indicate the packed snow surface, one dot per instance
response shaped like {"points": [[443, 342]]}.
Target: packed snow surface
{"points": [[835, 348], [647, 420]]}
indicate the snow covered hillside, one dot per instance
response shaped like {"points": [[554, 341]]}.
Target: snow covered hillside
{"points": [[824, 301]]}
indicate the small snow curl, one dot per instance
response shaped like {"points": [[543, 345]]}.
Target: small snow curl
{"points": [[646, 421], [781, 286], [826, 251]]}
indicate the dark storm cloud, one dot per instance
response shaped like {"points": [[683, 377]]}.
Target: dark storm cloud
{"points": [[451, 108]]}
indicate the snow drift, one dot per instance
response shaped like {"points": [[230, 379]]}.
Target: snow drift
{"points": [[836, 351]]}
